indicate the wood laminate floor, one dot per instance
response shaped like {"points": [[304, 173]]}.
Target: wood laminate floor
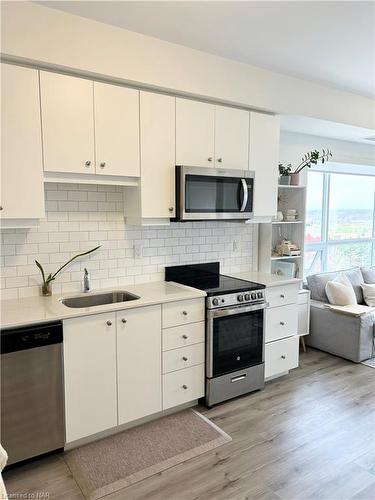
{"points": [[309, 435]]}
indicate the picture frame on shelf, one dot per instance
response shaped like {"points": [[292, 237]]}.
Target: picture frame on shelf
{"points": [[284, 269]]}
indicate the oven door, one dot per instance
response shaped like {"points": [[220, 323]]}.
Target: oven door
{"points": [[208, 193], [235, 339]]}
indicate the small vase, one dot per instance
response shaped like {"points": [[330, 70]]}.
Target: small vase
{"points": [[294, 179], [284, 180], [47, 289]]}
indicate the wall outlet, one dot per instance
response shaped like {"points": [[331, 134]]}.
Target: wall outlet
{"points": [[138, 250]]}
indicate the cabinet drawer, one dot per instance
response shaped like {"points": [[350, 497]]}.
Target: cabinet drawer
{"points": [[282, 295], [183, 386], [281, 356], [181, 336], [185, 357], [182, 312], [281, 322]]}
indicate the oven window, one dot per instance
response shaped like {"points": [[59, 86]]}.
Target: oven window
{"points": [[237, 342], [210, 194]]}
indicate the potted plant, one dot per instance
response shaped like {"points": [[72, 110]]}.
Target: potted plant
{"points": [[284, 173], [47, 282], [310, 158]]}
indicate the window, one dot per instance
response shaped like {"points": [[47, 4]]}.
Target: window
{"points": [[340, 221]]}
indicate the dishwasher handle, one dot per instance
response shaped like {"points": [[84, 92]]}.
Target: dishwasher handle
{"points": [[19, 339]]}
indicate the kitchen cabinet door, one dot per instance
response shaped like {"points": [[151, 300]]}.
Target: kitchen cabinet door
{"points": [[116, 130], [90, 375], [195, 129], [231, 138], [139, 362], [22, 190], [67, 123], [157, 155], [263, 159]]}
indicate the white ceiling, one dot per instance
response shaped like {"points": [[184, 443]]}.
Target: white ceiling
{"points": [[329, 42]]}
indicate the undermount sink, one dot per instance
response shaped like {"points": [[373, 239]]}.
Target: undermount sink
{"points": [[99, 299]]}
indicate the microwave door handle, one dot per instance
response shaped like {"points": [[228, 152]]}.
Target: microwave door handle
{"points": [[245, 195]]}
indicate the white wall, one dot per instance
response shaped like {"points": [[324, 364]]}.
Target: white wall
{"points": [[293, 146], [54, 38], [79, 217]]}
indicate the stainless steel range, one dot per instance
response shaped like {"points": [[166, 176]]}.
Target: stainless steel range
{"points": [[234, 330]]}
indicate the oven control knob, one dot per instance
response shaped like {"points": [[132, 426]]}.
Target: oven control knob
{"points": [[260, 295], [247, 296], [253, 296], [240, 298], [215, 302]]}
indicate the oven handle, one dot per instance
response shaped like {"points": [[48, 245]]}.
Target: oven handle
{"points": [[245, 195], [229, 311]]}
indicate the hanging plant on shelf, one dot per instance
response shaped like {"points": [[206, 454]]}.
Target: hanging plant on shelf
{"points": [[47, 282], [312, 157]]}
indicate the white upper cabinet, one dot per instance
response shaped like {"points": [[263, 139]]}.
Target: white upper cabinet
{"points": [[195, 133], [116, 130], [263, 159], [22, 193], [138, 362], [68, 123], [157, 155], [231, 138]]}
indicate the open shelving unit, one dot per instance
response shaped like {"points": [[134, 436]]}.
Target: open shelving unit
{"points": [[271, 234]]}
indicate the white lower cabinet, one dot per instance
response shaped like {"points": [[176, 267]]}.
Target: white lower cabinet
{"points": [[281, 322], [281, 356], [183, 386], [90, 375], [138, 362], [114, 364]]}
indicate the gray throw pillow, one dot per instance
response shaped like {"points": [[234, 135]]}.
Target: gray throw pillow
{"points": [[317, 285], [356, 279], [368, 274]]}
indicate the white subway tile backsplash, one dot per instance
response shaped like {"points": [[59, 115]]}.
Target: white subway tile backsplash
{"points": [[80, 217]]}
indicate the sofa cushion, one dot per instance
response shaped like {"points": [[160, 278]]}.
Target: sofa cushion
{"points": [[368, 274], [317, 283], [340, 291], [369, 294]]}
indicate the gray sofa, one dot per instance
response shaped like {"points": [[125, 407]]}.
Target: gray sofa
{"points": [[350, 337]]}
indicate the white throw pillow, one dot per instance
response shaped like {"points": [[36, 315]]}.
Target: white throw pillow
{"points": [[340, 291], [369, 294]]}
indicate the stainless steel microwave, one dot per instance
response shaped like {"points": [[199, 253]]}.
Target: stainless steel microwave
{"points": [[213, 193]]}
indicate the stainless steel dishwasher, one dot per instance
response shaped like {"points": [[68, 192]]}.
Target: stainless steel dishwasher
{"points": [[32, 409]]}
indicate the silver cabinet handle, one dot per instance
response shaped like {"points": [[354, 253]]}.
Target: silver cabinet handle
{"points": [[220, 160], [282, 323], [282, 296], [109, 323], [184, 386], [88, 163], [245, 194], [184, 358], [184, 313], [210, 158], [123, 320], [102, 164], [283, 357], [1, 208], [184, 336], [170, 209]]}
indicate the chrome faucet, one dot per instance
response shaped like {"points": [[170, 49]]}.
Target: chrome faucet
{"points": [[86, 281]]}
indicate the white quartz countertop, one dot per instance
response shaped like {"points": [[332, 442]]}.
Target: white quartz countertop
{"points": [[32, 310], [265, 279]]}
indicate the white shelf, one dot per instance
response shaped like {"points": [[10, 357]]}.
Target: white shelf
{"points": [[277, 222], [284, 257], [289, 186]]}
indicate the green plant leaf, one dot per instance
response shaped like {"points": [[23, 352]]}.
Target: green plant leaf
{"points": [[41, 270], [73, 258]]}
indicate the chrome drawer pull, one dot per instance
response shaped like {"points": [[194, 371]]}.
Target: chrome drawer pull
{"points": [[237, 379], [184, 313], [184, 386], [184, 358], [109, 323], [184, 336], [283, 357], [282, 323], [123, 320], [282, 296]]}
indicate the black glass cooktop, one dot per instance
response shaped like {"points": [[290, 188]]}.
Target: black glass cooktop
{"points": [[208, 278]]}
